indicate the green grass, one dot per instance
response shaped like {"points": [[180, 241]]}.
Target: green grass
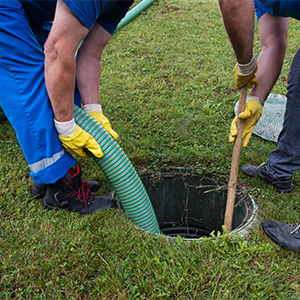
{"points": [[168, 90]]}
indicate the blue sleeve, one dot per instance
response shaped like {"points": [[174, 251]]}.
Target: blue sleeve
{"points": [[86, 11], [108, 13], [281, 8], [259, 11], [111, 18]]}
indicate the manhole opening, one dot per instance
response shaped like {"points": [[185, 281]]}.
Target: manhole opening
{"points": [[193, 206]]}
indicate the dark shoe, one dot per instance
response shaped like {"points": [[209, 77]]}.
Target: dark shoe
{"points": [[282, 184], [39, 190], [249, 170], [73, 194], [285, 235]]}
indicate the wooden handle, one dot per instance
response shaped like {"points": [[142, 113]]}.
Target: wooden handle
{"points": [[235, 163]]}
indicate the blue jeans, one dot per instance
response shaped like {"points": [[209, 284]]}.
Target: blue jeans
{"points": [[286, 158]]}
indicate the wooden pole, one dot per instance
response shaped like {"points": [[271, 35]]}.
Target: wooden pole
{"points": [[235, 163]]}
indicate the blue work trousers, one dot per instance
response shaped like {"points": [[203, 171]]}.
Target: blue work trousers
{"points": [[24, 98], [286, 158]]}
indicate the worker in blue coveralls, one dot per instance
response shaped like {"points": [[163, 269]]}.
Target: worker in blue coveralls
{"points": [[40, 70], [238, 17]]}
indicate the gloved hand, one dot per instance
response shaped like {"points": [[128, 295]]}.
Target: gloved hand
{"points": [[251, 115], [75, 139], [245, 74], [94, 110]]}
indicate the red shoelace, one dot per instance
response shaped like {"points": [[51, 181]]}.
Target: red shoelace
{"points": [[84, 194]]}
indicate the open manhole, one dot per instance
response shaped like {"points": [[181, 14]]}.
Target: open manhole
{"points": [[193, 206]]}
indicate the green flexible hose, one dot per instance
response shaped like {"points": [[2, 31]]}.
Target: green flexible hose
{"points": [[134, 12], [121, 174]]}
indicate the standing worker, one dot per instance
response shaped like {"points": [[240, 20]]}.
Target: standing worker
{"points": [[238, 17], [38, 73]]}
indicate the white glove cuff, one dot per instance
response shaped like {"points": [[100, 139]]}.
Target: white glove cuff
{"points": [[92, 107], [256, 99], [65, 128], [248, 68]]}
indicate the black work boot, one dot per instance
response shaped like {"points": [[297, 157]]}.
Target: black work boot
{"points": [[282, 184], [39, 190], [73, 194], [249, 170]]}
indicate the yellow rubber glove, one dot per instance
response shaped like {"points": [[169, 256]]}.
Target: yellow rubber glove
{"points": [[251, 115], [241, 80], [80, 140], [100, 118]]}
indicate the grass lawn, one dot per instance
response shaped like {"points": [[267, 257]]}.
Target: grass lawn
{"points": [[168, 90]]}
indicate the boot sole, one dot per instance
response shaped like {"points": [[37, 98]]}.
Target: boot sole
{"points": [[112, 204]]}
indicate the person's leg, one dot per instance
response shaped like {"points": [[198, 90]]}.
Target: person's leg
{"points": [[286, 158], [24, 99], [283, 161], [273, 36]]}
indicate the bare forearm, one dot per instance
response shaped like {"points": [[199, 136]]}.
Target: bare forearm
{"points": [[88, 70], [238, 17], [60, 65], [60, 83], [269, 68], [273, 36], [88, 74]]}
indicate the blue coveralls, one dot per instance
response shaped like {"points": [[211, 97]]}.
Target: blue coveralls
{"points": [[23, 96], [286, 158]]}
